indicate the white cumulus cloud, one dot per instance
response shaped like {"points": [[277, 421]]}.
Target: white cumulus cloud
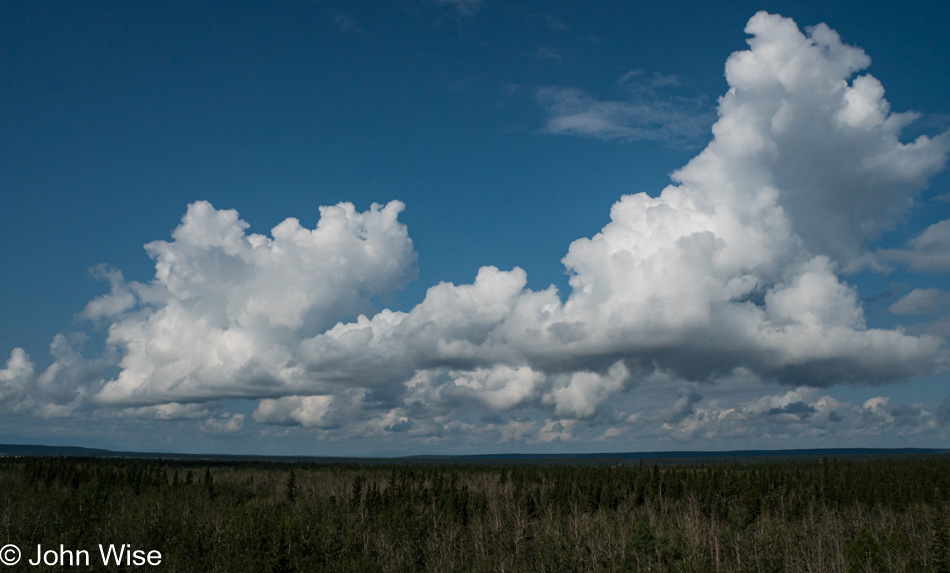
{"points": [[226, 307]]}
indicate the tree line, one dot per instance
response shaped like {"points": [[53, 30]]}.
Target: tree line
{"points": [[824, 515]]}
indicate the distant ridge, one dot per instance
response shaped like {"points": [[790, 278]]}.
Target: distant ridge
{"points": [[23, 450]]}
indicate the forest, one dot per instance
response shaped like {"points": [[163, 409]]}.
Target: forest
{"points": [[815, 516]]}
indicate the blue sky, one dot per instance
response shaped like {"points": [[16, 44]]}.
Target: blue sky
{"points": [[788, 290]]}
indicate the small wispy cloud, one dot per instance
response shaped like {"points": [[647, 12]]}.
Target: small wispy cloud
{"points": [[224, 424], [465, 8], [549, 54], [638, 81], [346, 24], [550, 20], [646, 111], [922, 301], [933, 305], [643, 117], [927, 252]]}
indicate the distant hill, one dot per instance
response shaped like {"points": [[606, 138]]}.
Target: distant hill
{"points": [[506, 459]]}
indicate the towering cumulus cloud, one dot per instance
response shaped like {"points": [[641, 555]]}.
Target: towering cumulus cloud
{"points": [[730, 271]]}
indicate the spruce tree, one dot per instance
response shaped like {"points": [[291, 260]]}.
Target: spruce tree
{"points": [[292, 486]]}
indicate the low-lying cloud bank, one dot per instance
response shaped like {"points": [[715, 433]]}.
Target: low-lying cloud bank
{"points": [[732, 270]]}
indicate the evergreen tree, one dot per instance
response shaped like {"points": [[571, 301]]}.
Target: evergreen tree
{"points": [[209, 482], [864, 553], [292, 486]]}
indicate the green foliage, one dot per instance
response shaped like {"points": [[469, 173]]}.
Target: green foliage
{"points": [[292, 486], [864, 553]]}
